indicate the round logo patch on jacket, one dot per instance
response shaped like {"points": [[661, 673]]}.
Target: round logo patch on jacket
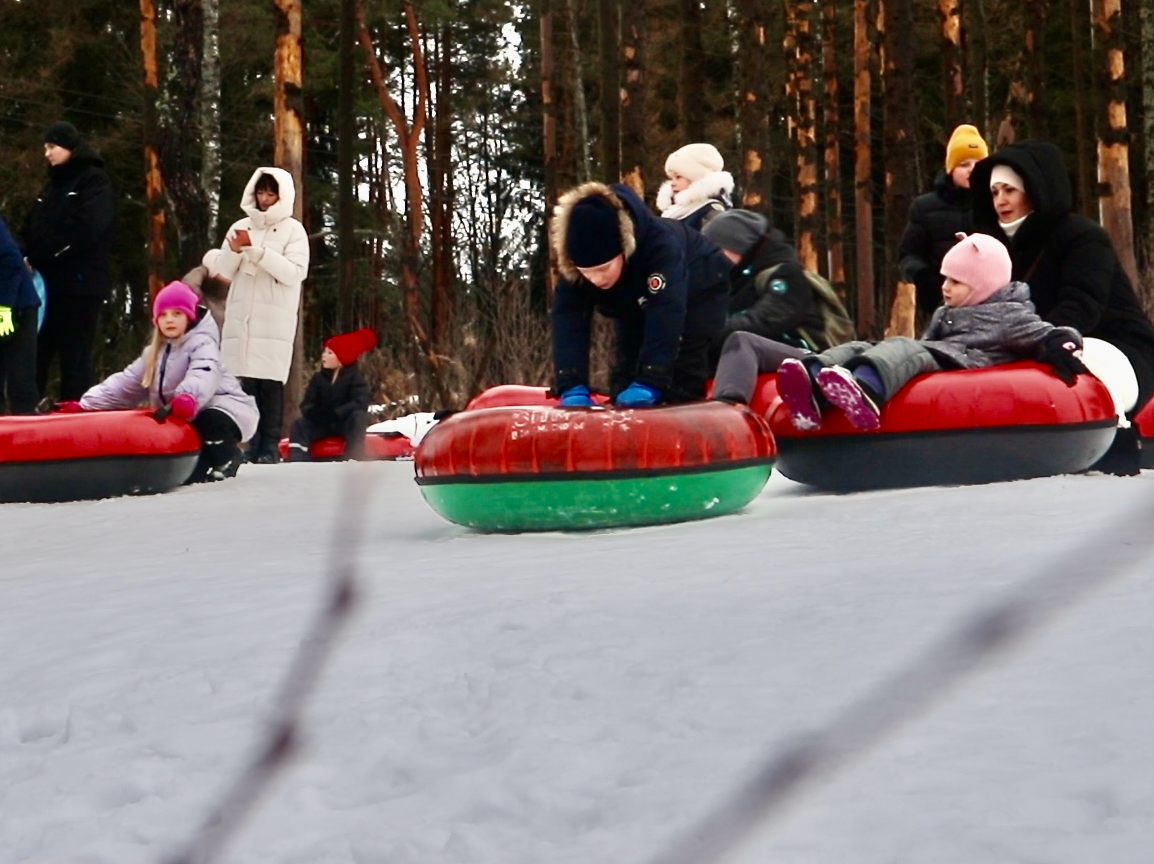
{"points": [[656, 282], [778, 286]]}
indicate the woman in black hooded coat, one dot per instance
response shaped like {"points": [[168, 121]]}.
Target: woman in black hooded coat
{"points": [[1075, 277]]}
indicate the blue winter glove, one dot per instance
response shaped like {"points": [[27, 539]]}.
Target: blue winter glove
{"points": [[576, 397], [637, 395], [7, 328]]}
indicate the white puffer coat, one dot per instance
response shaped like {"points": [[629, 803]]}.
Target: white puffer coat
{"points": [[260, 318]]}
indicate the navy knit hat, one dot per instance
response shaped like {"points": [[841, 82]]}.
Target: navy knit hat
{"points": [[736, 230], [594, 234], [63, 134]]}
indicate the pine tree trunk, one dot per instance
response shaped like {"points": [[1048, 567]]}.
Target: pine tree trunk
{"points": [[1141, 52], [692, 63], [610, 97], [548, 125], [976, 30], [209, 123], [346, 138], [181, 179], [153, 178], [753, 105], [1113, 150], [950, 18], [633, 125], [1084, 98], [899, 120], [577, 92], [799, 51], [835, 239], [289, 134], [863, 198], [1036, 12], [440, 171], [1015, 109]]}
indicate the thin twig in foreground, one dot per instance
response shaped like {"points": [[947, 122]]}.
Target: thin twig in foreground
{"points": [[280, 741], [1062, 583]]}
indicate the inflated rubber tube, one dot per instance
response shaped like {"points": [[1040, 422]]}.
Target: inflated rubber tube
{"points": [[509, 395], [1008, 422], [544, 468], [93, 454], [332, 448]]}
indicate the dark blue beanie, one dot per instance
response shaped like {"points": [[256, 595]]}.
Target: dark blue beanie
{"points": [[594, 234], [63, 134]]}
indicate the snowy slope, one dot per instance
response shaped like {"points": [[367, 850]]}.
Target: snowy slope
{"points": [[506, 699]]}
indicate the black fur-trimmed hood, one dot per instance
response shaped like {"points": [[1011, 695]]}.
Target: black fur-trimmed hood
{"points": [[559, 227]]}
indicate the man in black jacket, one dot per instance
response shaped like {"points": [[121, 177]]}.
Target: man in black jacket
{"points": [[664, 285], [69, 240]]}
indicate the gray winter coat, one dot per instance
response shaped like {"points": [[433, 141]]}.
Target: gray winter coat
{"points": [[190, 364], [999, 330]]}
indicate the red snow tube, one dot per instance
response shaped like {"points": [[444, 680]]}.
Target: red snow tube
{"points": [[332, 448], [544, 468], [1144, 421], [509, 395], [93, 454], [965, 426]]}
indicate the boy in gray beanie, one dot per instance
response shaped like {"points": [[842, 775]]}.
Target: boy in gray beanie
{"points": [[769, 292]]}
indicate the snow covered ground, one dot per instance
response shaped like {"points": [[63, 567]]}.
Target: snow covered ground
{"points": [[564, 698]]}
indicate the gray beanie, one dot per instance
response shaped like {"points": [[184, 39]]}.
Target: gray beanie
{"points": [[736, 230]]}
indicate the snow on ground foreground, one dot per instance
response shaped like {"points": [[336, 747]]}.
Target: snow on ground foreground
{"points": [[564, 698]]}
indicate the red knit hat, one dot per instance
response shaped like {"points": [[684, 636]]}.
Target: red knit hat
{"points": [[349, 346]]}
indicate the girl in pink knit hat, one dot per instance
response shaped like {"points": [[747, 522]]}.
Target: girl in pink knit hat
{"points": [[986, 319], [180, 375]]}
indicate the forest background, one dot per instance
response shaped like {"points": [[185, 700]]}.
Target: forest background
{"points": [[431, 139]]}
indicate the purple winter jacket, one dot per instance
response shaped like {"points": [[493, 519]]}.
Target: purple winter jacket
{"points": [[190, 364]]}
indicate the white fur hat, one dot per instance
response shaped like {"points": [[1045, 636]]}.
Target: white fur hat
{"points": [[694, 161]]}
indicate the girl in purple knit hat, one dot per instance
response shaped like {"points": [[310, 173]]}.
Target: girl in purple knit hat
{"points": [[180, 374]]}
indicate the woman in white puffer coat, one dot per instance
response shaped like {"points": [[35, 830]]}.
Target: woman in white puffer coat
{"points": [[266, 257]]}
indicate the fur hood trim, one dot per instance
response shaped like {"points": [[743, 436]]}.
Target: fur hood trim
{"points": [[560, 225], [716, 186], [282, 209]]}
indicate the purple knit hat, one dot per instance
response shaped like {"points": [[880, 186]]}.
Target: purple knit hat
{"points": [[175, 295], [981, 262]]}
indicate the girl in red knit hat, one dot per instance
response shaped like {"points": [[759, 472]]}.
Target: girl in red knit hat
{"points": [[336, 401]]}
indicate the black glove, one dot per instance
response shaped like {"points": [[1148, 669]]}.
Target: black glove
{"points": [[1058, 350]]}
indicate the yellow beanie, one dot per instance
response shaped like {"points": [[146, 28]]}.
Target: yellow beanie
{"points": [[965, 143]]}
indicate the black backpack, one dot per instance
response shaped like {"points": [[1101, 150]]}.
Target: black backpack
{"points": [[837, 327]]}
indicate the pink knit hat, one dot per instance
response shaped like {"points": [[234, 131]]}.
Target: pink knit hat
{"points": [[175, 295], [981, 262]]}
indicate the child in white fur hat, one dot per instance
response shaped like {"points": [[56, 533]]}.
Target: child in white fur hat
{"points": [[697, 189], [985, 320]]}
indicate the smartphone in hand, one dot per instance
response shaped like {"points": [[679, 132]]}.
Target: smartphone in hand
{"points": [[242, 238]]}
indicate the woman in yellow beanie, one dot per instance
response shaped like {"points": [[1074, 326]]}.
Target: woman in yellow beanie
{"points": [[937, 217]]}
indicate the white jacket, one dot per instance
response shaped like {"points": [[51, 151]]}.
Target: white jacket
{"points": [[260, 317]]}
